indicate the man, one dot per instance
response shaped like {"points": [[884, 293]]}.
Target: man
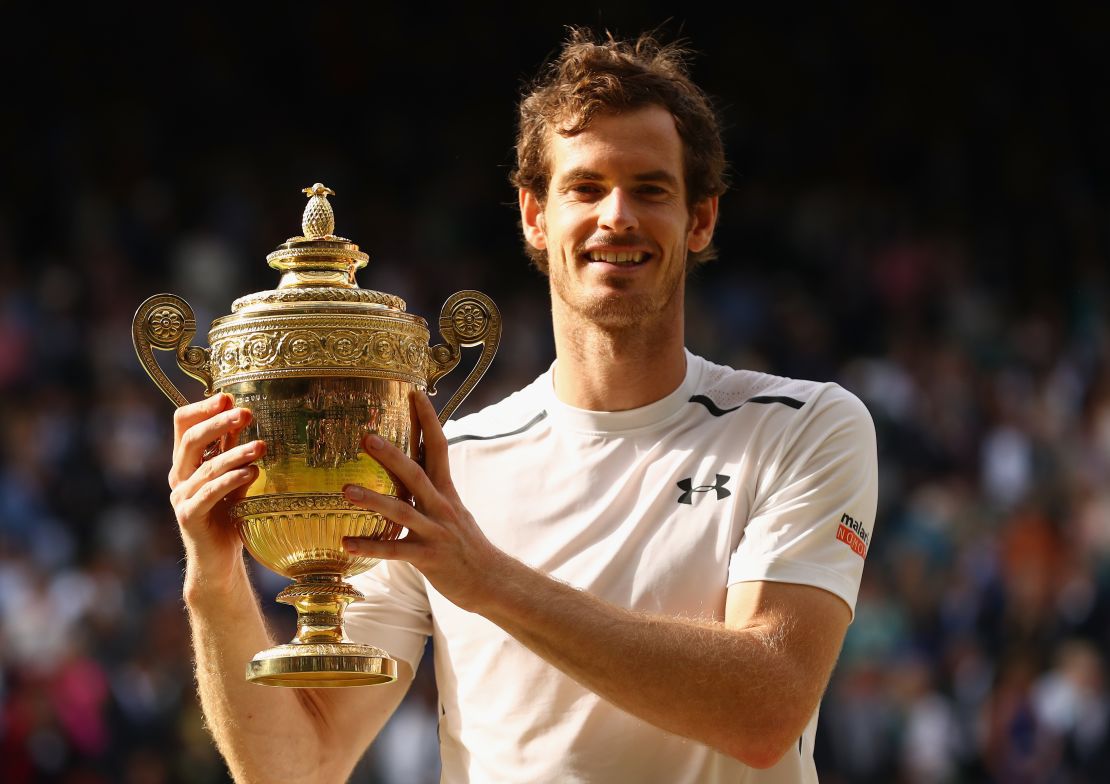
{"points": [[638, 568]]}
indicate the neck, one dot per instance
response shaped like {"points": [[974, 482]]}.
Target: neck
{"points": [[615, 369]]}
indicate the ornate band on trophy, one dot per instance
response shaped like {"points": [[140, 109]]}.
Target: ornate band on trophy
{"points": [[318, 294], [294, 502], [319, 346]]}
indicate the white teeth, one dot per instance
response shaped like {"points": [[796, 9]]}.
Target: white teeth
{"points": [[622, 257]]}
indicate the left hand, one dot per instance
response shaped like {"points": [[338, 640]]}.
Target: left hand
{"points": [[443, 541]]}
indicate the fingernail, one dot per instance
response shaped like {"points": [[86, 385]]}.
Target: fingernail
{"points": [[236, 418], [350, 546], [374, 441], [354, 492]]}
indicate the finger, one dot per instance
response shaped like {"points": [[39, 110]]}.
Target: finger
{"points": [[187, 416], [200, 505], [231, 439], [391, 508], [408, 472], [190, 451], [240, 492], [388, 550], [211, 429], [238, 457], [435, 442]]}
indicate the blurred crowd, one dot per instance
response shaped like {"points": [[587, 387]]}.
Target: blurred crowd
{"points": [[954, 275]]}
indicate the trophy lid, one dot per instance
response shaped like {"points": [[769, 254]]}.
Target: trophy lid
{"points": [[317, 266]]}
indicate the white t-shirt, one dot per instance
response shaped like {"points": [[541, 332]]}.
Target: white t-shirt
{"points": [[735, 476]]}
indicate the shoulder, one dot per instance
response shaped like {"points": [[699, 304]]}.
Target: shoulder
{"points": [[723, 389], [516, 413]]}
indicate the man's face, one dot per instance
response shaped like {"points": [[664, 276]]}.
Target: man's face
{"points": [[616, 225]]}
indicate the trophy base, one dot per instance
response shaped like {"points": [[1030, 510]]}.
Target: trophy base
{"points": [[322, 665]]}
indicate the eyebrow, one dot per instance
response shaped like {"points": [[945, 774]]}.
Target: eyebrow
{"points": [[582, 173], [659, 175]]}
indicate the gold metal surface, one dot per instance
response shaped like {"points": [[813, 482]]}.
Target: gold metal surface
{"points": [[166, 322], [318, 220], [310, 665], [320, 363], [294, 516]]}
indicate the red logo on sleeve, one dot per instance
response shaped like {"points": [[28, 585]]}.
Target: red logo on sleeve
{"points": [[852, 533]]}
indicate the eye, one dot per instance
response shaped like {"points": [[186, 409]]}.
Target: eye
{"points": [[585, 189], [651, 190]]}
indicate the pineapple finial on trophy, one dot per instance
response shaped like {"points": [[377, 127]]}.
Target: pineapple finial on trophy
{"points": [[318, 221]]}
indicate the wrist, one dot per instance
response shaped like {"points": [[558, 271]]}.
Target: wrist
{"points": [[505, 585], [206, 586]]}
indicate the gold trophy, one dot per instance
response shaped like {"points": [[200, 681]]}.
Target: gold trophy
{"points": [[320, 363]]}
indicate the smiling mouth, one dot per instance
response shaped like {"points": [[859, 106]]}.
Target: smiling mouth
{"points": [[624, 258]]}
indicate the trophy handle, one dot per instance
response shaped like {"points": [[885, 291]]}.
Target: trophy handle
{"points": [[167, 323], [468, 318]]}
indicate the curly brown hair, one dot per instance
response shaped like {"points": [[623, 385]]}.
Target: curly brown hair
{"points": [[592, 77]]}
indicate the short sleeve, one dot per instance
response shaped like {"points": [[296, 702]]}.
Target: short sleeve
{"points": [[814, 509], [395, 614]]}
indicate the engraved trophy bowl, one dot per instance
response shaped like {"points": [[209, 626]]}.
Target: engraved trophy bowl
{"points": [[320, 363]]}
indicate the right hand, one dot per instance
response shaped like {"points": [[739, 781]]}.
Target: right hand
{"points": [[204, 490]]}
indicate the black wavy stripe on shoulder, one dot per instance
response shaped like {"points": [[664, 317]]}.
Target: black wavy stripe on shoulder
{"points": [[716, 411], [537, 418]]}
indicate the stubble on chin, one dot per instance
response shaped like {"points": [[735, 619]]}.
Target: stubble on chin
{"points": [[614, 311]]}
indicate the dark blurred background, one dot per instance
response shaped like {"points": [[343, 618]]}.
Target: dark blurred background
{"points": [[920, 211]]}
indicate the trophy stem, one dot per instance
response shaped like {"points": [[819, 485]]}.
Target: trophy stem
{"points": [[321, 655], [320, 600]]}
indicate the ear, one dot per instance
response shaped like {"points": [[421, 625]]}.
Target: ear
{"points": [[703, 219], [532, 220]]}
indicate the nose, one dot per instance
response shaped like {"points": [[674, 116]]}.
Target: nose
{"points": [[617, 213]]}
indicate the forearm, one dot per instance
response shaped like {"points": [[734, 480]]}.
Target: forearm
{"points": [[740, 691], [265, 734]]}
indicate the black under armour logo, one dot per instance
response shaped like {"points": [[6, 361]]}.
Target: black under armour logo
{"points": [[688, 489]]}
